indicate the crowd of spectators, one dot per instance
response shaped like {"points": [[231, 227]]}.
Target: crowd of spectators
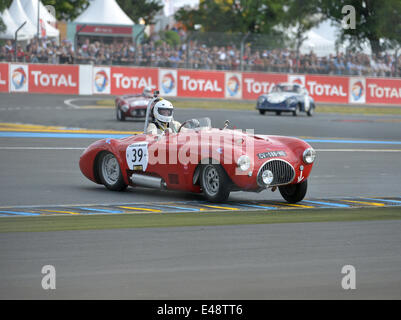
{"points": [[195, 55], [38, 51]]}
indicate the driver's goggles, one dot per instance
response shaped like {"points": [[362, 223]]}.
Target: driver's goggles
{"points": [[165, 112]]}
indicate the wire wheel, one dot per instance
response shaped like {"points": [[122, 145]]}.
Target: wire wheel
{"points": [[110, 169], [211, 180], [110, 173], [215, 183]]}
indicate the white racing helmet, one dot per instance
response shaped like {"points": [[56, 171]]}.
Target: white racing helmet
{"points": [[163, 112], [147, 92]]}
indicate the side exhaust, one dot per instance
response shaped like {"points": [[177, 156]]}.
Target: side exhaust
{"points": [[147, 181]]}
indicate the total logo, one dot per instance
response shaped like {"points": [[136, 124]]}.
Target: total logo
{"points": [[19, 78], [233, 86], [297, 79], [357, 90], [168, 83], [102, 81]]}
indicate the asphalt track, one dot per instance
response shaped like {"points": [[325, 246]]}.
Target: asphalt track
{"points": [[359, 158], [288, 261]]}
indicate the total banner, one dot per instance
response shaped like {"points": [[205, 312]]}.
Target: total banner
{"points": [[133, 80], [61, 79], [201, 84], [327, 88], [4, 77], [256, 84], [112, 80], [383, 91]]}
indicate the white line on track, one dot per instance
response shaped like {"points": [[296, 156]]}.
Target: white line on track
{"points": [[358, 150], [70, 103], [82, 148], [41, 148], [31, 108]]}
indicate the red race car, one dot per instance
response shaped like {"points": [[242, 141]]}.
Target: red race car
{"points": [[132, 106], [201, 159]]}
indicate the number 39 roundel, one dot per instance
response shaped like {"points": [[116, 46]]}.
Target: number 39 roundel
{"points": [[137, 155]]}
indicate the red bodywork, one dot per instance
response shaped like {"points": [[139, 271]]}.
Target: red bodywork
{"points": [[223, 146], [137, 104]]}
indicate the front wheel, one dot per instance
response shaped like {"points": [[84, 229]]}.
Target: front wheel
{"points": [[262, 112], [120, 115], [215, 183], [294, 193], [296, 111], [110, 172], [310, 111]]}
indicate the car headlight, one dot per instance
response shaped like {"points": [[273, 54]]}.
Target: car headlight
{"points": [[125, 108], [267, 177], [291, 101], [261, 100], [309, 155], [244, 162]]}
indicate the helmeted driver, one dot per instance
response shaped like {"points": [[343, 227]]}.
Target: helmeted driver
{"points": [[147, 92], [163, 111]]}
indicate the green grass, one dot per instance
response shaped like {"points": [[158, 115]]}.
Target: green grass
{"points": [[250, 105], [156, 220]]}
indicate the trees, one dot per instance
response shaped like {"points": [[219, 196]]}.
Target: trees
{"points": [[145, 9], [302, 16], [256, 16], [67, 9], [3, 5], [377, 22]]}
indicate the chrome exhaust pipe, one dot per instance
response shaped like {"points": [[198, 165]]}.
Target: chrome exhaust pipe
{"points": [[147, 181]]}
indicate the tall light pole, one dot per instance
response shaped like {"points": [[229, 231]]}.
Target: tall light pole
{"points": [[16, 39]]}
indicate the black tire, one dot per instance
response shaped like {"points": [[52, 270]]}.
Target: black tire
{"points": [[120, 115], [278, 113], [262, 112], [294, 193], [215, 183], [296, 111], [310, 111], [110, 173]]}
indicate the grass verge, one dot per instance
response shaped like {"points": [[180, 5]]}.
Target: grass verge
{"points": [[155, 220], [235, 105]]}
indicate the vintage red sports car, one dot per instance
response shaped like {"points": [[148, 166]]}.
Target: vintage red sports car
{"points": [[131, 106], [201, 159]]}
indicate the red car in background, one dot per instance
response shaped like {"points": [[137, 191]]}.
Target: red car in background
{"points": [[201, 159], [133, 105]]}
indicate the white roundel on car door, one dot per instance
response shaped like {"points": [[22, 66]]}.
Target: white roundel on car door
{"points": [[137, 155]]}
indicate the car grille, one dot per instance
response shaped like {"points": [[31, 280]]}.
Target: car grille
{"points": [[283, 172]]}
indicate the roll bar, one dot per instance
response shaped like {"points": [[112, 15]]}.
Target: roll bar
{"points": [[155, 97]]}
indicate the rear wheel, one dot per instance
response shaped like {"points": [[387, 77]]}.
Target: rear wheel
{"points": [[294, 193], [110, 172], [262, 112], [278, 113], [120, 115], [215, 183]]}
